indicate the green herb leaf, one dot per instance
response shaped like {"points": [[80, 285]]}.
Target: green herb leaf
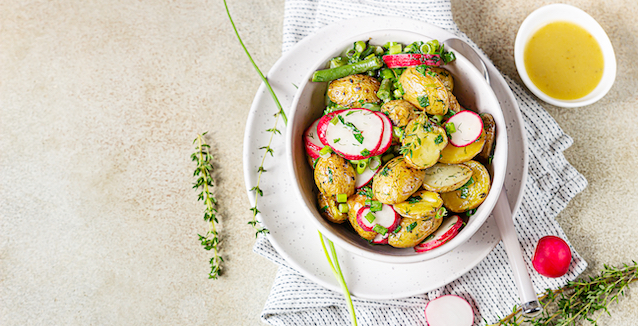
{"points": [[424, 100]]}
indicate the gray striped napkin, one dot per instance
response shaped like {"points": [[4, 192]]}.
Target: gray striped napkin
{"points": [[489, 287]]}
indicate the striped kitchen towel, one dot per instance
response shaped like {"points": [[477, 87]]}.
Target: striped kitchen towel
{"points": [[489, 287]]}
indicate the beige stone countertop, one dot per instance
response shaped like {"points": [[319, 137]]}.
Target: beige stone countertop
{"points": [[100, 102]]}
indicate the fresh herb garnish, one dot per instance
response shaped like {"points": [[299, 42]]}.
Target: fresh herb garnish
{"points": [[380, 229], [365, 152], [366, 191], [330, 175], [438, 139], [375, 206], [203, 172], [424, 100], [384, 171], [414, 199], [410, 227]]}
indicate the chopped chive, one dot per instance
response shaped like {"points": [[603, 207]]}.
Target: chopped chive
{"points": [[380, 229], [361, 166], [375, 162], [397, 229], [370, 217], [342, 198], [411, 227], [336, 140], [358, 137]]}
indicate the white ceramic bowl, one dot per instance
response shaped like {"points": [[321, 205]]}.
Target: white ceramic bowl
{"points": [[562, 12], [473, 93]]}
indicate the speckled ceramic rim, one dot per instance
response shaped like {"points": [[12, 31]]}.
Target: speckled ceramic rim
{"points": [[297, 162], [562, 12]]}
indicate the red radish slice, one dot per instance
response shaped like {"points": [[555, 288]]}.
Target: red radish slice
{"points": [[386, 140], [449, 310], [552, 256], [355, 134], [413, 59], [365, 177], [381, 239], [386, 218], [312, 141], [468, 126], [448, 230]]}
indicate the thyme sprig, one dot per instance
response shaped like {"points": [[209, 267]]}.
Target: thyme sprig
{"points": [[204, 172], [267, 149], [579, 300]]}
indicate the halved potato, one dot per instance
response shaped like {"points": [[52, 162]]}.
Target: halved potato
{"points": [[490, 135], [413, 231], [355, 202], [396, 181], [444, 76], [334, 175], [424, 91], [423, 142], [454, 103], [329, 209], [422, 204], [349, 90], [446, 177], [400, 112], [454, 155], [471, 195]]}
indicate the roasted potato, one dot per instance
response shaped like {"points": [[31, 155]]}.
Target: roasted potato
{"points": [[422, 204], [355, 202], [400, 112], [454, 103], [445, 76], [329, 209], [490, 136], [454, 155], [334, 175], [472, 194], [396, 181], [424, 91], [413, 231], [422, 142], [446, 177], [352, 91]]}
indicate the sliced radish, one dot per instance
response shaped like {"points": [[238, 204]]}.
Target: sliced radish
{"points": [[365, 177], [386, 139], [311, 140], [412, 59], [381, 239], [386, 218], [468, 126], [449, 310], [448, 230], [354, 133]]}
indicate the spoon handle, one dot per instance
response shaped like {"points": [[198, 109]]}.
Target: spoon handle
{"points": [[503, 216]]}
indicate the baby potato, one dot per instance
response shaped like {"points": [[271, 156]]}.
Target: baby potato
{"points": [[472, 194], [423, 142], [400, 112], [334, 175], [490, 135], [350, 90], [445, 76], [424, 91], [413, 231], [454, 103], [396, 181], [454, 155], [355, 202], [446, 177], [422, 204], [329, 209]]}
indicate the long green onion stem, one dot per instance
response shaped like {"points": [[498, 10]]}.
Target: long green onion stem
{"points": [[336, 270]]}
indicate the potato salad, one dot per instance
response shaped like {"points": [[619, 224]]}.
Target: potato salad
{"points": [[396, 157]]}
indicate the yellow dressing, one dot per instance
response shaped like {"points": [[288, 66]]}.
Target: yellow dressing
{"points": [[564, 61]]}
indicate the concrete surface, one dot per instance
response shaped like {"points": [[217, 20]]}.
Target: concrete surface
{"points": [[99, 104]]}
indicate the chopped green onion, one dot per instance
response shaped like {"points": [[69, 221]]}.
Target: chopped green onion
{"points": [[411, 227], [343, 208], [338, 62], [450, 128], [437, 118], [375, 162], [361, 166], [351, 52], [370, 217], [380, 229], [395, 49], [441, 212], [365, 152], [470, 212], [372, 106], [342, 198], [397, 229], [375, 206], [360, 46], [335, 120], [389, 44], [325, 151]]}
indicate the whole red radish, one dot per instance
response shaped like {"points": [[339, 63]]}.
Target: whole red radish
{"points": [[552, 256]]}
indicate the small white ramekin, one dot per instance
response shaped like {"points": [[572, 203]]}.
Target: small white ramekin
{"points": [[562, 12]]}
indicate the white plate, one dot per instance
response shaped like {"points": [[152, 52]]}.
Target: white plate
{"points": [[295, 237]]}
